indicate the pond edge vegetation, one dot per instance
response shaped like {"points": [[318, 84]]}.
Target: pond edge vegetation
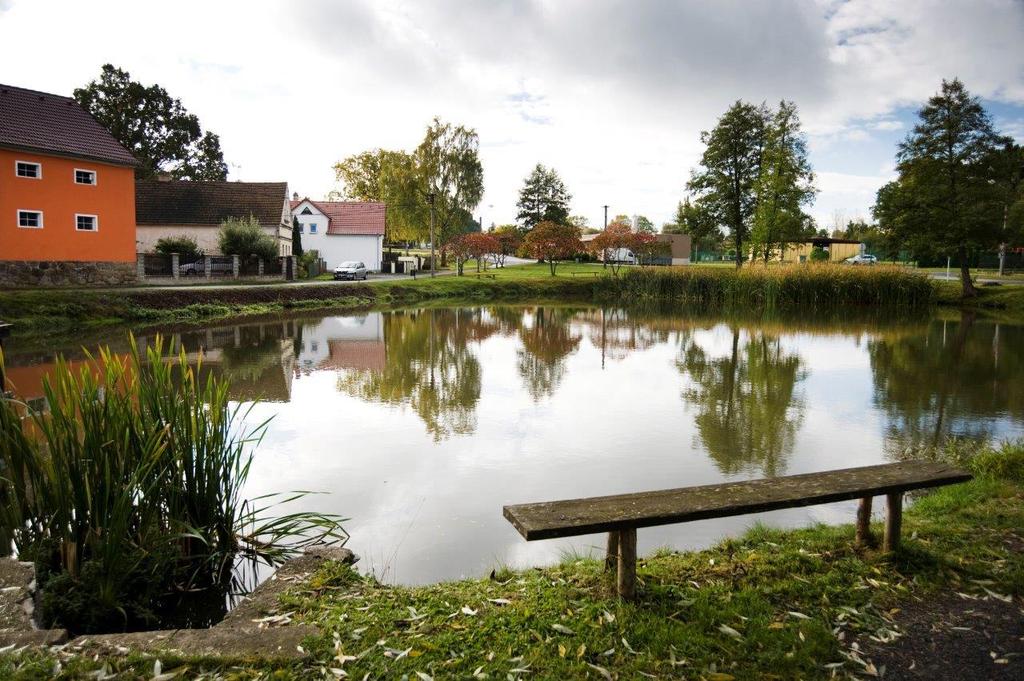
{"points": [[125, 492], [806, 288]]}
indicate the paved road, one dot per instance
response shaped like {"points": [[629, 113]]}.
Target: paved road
{"points": [[510, 262]]}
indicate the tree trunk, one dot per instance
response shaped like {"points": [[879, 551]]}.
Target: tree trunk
{"points": [[965, 274]]}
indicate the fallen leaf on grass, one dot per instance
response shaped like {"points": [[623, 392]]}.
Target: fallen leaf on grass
{"points": [[601, 670], [466, 610], [562, 629], [729, 631]]}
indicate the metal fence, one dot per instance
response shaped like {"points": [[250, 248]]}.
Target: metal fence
{"points": [[157, 265], [249, 267], [273, 266]]}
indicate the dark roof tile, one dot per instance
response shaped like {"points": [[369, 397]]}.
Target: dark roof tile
{"points": [[39, 121], [177, 202]]}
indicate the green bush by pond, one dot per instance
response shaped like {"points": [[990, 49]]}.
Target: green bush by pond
{"points": [[806, 286], [126, 493]]}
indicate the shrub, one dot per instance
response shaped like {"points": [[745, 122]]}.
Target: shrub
{"points": [[804, 287], [127, 493], [819, 254], [246, 237], [182, 245]]}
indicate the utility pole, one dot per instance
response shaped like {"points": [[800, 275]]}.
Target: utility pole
{"points": [[604, 251], [430, 199]]}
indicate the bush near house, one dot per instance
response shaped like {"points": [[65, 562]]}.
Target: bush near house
{"points": [[184, 246], [244, 237]]}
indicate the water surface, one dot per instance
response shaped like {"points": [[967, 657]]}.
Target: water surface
{"points": [[419, 425]]}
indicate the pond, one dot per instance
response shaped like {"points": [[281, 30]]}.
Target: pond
{"points": [[419, 425]]}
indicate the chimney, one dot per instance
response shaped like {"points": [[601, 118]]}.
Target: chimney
{"points": [[295, 196], [163, 176]]}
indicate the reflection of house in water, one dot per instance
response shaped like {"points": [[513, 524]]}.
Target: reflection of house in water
{"points": [[342, 343], [257, 359]]}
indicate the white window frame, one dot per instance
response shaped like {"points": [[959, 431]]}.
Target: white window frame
{"points": [[312, 228], [17, 217], [95, 222], [95, 177], [39, 168]]}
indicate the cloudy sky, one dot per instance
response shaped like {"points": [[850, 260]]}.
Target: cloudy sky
{"points": [[611, 94]]}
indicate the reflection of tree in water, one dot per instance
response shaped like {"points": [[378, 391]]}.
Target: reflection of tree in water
{"points": [[748, 408], [546, 342], [948, 380], [429, 366]]}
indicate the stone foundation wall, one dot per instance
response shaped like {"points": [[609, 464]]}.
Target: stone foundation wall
{"points": [[32, 273]]}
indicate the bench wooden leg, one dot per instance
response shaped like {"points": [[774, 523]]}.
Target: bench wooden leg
{"points": [[864, 537], [627, 564], [611, 556], [893, 521]]}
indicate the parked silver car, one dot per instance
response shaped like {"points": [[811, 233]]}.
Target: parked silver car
{"points": [[350, 270], [861, 259]]}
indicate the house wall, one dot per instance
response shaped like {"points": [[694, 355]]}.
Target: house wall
{"points": [[337, 248], [111, 199], [205, 235], [802, 252]]}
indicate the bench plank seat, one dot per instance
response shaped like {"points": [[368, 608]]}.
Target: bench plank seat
{"points": [[573, 517]]}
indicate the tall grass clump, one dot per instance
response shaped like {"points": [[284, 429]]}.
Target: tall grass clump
{"points": [[125, 491], [804, 286]]}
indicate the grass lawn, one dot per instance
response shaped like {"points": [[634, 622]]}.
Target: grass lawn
{"points": [[768, 605], [976, 273], [1007, 299]]}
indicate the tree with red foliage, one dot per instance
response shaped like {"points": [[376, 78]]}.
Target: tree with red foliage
{"points": [[551, 242], [647, 247], [458, 249], [509, 240], [607, 244], [479, 246]]}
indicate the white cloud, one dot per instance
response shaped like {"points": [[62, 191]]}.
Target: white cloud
{"points": [[611, 94]]}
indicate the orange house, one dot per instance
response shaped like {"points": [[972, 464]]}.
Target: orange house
{"points": [[67, 194]]}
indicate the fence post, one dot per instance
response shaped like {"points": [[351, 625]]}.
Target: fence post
{"points": [[140, 265], [207, 265], [294, 260], [175, 263], [234, 266], [259, 266]]}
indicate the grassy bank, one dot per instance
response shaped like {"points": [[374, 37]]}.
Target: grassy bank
{"points": [[770, 604], [1007, 299], [808, 287]]}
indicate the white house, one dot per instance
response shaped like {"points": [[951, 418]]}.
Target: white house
{"points": [[342, 230]]}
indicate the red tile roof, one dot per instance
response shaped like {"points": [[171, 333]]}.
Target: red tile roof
{"points": [[39, 121], [350, 217], [368, 355]]}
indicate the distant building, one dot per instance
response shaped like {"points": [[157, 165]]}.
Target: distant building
{"points": [[838, 249], [342, 230], [169, 208], [679, 247], [67, 208]]}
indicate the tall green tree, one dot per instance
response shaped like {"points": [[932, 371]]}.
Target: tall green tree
{"points": [[390, 177], [691, 218], [543, 198], [154, 126], [1008, 164], [296, 237], [643, 224], [451, 175], [727, 180], [946, 200], [785, 185]]}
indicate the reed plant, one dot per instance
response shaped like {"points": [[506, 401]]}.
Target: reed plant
{"points": [[806, 286], [126, 490]]}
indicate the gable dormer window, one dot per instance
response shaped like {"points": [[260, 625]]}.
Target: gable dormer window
{"points": [[85, 176], [306, 211], [28, 169]]}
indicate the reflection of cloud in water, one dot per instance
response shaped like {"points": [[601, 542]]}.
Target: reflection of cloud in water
{"points": [[421, 424]]}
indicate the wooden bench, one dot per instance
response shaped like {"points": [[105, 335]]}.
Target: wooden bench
{"points": [[483, 274], [620, 515], [585, 274]]}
